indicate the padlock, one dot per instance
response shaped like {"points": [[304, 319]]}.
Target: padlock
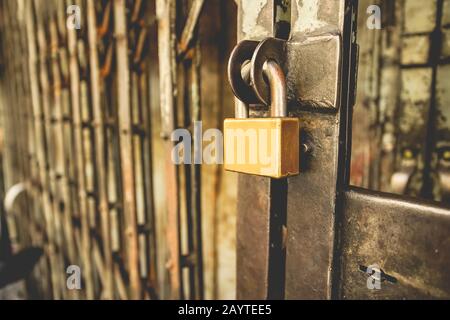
{"points": [[264, 146]]}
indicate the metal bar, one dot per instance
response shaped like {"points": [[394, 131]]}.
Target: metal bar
{"points": [[61, 196], [312, 196], [147, 151], [276, 79], [126, 148], [75, 95], [390, 93], [254, 196], [67, 140], [430, 133], [166, 12], [195, 218], [191, 23], [99, 114], [418, 79]]}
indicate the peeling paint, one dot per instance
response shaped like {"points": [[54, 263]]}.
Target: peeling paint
{"points": [[250, 13], [307, 17]]}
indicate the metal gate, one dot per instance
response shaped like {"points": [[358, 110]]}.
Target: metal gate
{"points": [[81, 130], [87, 116], [315, 236]]}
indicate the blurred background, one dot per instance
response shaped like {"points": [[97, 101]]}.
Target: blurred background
{"points": [[401, 124], [85, 122]]}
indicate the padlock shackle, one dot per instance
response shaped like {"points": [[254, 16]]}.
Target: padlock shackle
{"points": [[241, 109], [277, 83]]}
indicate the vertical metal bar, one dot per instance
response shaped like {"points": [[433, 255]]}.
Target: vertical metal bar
{"points": [[61, 195], [166, 12], [67, 139], [75, 95], [311, 207], [100, 158], [255, 22], [389, 92], [151, 117], [146, 159], [418, 78], [443, 120], [430, 132], [196, 174], [125, 127], [139, 35], [67, 133]]}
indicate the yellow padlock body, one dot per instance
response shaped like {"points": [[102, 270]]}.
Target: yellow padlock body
{"points": [[262, 146]]}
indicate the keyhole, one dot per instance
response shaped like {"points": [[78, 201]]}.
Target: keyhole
{"points": [[384, 276]]}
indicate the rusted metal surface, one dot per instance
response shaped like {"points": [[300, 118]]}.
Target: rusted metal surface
{"points": [[191, 24], [341, 242], [410, 241], [313, 71], [256, 21], [167, 56], [322, 26], [253, 226], [311, 196], [310, 229]]}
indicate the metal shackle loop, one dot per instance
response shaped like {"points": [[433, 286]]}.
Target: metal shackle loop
{"points": [[269, 49], [256, 76], [277, 84], [238, 71], [242, 109]]}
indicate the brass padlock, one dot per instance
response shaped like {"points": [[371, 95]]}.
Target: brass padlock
{"points": [[264, 146]]}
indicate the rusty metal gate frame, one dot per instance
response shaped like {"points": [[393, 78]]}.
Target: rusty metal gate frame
{"points": [[335, 232]]}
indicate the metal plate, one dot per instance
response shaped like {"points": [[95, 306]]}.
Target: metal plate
{"points": [[312, 72], [408, 239], [310, 211]]}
